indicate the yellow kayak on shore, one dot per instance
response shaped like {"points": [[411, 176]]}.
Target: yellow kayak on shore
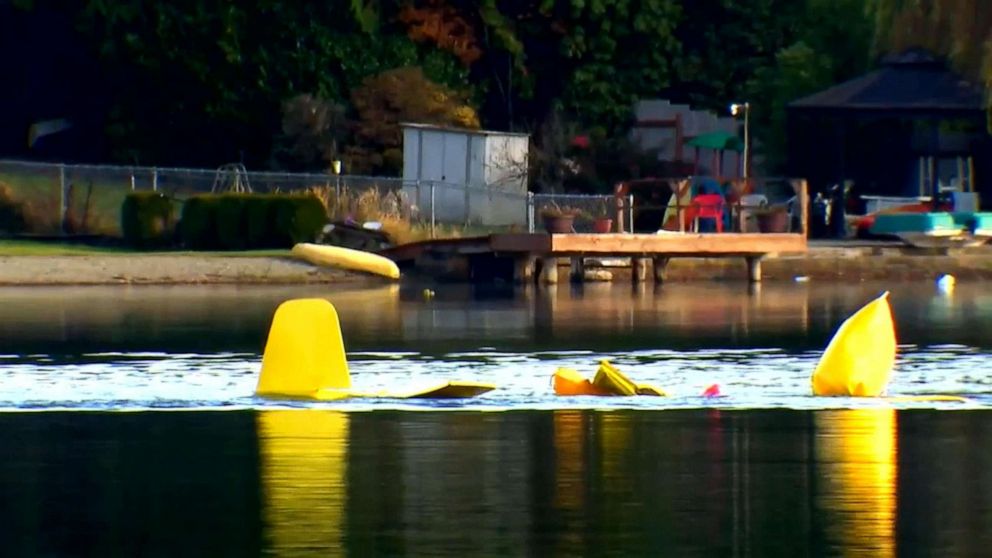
{"points": [[346, 258], [859, 359]]}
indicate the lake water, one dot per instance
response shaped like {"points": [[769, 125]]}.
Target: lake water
{"points": [[130, 427]]}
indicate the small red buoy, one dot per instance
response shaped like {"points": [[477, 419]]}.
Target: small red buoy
{"points": [[712, 391]]}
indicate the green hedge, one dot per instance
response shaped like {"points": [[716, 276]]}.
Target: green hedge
{"points": [[148, 219], [250, 221]]}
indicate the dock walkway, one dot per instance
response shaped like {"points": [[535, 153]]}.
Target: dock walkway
{"points": [[536, 255]]}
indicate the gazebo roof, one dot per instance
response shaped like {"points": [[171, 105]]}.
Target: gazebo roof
{"points": [[912, 83]]}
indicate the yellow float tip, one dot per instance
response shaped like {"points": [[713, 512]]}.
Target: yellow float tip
{"points": [[304, 352]]}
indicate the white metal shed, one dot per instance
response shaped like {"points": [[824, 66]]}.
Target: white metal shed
{"points": [[476, 176]]}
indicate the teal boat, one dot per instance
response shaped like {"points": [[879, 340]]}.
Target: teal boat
{"points": [[978, 224], [935, 229]]}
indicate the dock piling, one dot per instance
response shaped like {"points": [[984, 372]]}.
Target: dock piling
{"points": [[754, 269]]}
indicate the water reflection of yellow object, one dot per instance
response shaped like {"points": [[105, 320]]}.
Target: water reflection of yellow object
{"points": [[570, 456], [858, 360], [856, 460], [303, 467]]}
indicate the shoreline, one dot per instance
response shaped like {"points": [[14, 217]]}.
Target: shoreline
{"points": [[169, 269], [835, 262]]}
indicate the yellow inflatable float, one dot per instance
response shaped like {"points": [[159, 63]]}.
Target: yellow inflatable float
{"points": [[607, 381], [346, 258], [859, 359], [305, 359]]}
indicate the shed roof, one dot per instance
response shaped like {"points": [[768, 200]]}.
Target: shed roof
{"points": [[457, 130], [914, 82]]}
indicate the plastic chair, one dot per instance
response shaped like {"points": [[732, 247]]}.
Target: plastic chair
{"points": [[709, 206]]}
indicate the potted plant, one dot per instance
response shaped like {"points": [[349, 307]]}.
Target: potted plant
{"points": [[772, 219], [558, 219], [602, 222]]}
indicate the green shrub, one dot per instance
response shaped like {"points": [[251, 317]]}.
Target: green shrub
{"points": [[251, 221], [231, 222], [198, 226], [13, 216], [258, 221], [148, 219], [297, 219]]}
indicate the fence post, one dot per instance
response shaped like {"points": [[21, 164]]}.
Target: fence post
{"points": [[132, 179], [468, 202], [433, 188], [630, 211], [63, 198], [154, 179], [419, 201], [530, 212]]}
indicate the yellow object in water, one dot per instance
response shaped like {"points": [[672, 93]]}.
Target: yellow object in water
{"points": [[607, 381], [859, 359], [346, 258], [304, 352], [305, 358]]}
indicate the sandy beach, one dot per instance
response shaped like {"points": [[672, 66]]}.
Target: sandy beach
{"points": [[167, 269]]}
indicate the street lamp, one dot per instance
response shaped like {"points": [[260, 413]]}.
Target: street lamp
{"points": [[736, 109], [336, 165]]}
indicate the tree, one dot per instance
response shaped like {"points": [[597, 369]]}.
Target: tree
{"points": [[313, 131], [385, 100], [961, 30], [202, 82], [833, 45]]}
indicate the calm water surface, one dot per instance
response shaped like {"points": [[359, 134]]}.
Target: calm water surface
{"points": [[199, 466]]}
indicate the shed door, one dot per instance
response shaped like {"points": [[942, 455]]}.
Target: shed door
{"points": [[432, 153], [455, 158]]}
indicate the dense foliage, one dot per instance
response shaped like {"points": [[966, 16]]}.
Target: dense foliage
{"points": [[148, 219], [299, 84], [250, 221]]}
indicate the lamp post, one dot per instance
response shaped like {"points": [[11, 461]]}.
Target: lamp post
{"points": [[336, 165], [736, 109]]}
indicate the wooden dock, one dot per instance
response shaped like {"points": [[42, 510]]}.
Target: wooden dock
{"points": [[536, 255]]}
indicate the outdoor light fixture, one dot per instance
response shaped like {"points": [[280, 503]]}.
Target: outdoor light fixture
{"points": [[337, 167], [736, 109]]}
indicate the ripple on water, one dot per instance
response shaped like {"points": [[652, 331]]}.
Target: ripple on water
{"points": [[749, 378]]}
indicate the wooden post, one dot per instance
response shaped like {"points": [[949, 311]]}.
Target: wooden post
{"points": [[549, 270], [523, 268], [660, 269], [803, 207], [753, 268], [578, 269], [638, 269]]}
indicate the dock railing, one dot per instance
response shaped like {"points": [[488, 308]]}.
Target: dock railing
{"points": [[759, 205]]}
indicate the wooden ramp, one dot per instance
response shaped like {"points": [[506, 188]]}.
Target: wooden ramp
{"points": [[524, 250]]}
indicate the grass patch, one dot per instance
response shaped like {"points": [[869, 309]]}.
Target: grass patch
{"points": [[51, 248]]}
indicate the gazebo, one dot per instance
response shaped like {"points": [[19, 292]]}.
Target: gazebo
{"points": [[909, 129]]}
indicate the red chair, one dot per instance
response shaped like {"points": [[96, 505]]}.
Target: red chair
{"points": [[709, 206]]}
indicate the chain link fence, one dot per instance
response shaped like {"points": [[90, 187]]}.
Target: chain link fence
{"points": [[57, 199]]}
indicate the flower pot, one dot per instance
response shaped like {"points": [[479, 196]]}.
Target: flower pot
{"points": [[774, 222], [559, 224], [602, 226]]}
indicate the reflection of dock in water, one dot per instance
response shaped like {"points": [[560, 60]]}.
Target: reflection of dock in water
{"points": [[689, 308]]}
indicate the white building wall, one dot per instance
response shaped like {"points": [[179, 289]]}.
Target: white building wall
{"points": [[478, 176]]}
